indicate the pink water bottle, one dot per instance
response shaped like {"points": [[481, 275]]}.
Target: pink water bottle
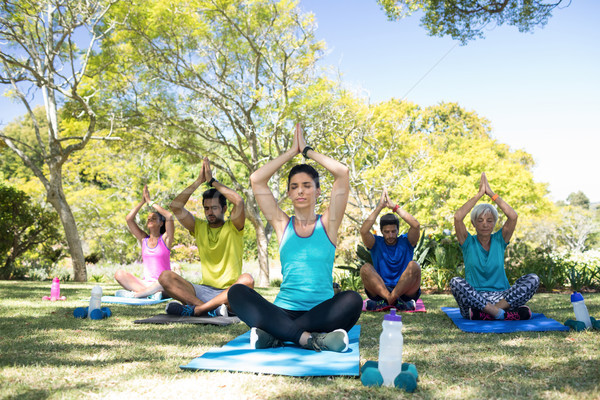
{"points": [[55, 289]]}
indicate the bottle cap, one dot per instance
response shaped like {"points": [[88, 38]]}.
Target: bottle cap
{"points": [[576, 297], [392, 316]]}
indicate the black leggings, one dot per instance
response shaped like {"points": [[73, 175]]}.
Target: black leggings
{"points": [[341, 311]]}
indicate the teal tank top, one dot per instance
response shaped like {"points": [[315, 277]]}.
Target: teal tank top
{"points": [[307, 267], [484, 270]]}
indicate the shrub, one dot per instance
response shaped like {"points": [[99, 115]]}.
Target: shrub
{"points": [[275, 283], [443, 263], [97, 278], [550, 271], [30, 237], [582, 269], [349, 278], [514, 260], [183, 253]]}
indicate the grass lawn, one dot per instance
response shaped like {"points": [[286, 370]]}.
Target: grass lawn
{"points": [[45, 353]]}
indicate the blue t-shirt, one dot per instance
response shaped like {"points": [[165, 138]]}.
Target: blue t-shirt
{"points": [[306, 266], [484, 270], [391, 261]]}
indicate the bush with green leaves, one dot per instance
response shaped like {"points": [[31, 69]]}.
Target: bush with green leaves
{"points": [[30, 235], [444, 261], [582, 269], [514, 259], [547, 267], [348, 275]]}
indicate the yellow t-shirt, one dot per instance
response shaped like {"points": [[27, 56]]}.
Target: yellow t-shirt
{"points": [[220, 252]]}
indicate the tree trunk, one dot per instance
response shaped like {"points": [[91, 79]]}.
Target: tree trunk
{"points": [[262, 240], [56, 197], [7, 270]]}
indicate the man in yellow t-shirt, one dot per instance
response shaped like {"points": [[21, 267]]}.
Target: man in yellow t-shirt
{"points": [[220, 246]]}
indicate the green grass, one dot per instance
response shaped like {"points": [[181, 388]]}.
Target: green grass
{"points": [[45, 353]]}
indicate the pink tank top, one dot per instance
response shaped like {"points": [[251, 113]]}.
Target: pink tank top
{"points": [[156, 259]]}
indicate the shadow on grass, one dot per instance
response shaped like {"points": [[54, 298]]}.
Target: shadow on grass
{"points": [[59, 339], [451, 363]]}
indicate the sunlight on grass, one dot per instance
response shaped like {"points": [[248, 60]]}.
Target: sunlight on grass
{"points": [[46, 353]]}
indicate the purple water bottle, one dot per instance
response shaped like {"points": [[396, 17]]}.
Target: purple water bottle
{"points": [[55, 289]]}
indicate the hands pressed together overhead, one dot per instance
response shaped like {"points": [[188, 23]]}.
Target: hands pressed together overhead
{"points": [[484, 187], [205, 172], [299, 142], [146, 195], [386, 202]]}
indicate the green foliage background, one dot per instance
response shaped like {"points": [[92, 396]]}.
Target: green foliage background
{"points": [[228, 79]]}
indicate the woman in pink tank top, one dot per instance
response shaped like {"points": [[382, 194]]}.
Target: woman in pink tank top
{"points": [[156, 250]]}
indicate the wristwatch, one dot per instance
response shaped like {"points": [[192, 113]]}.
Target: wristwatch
{"points": [[306, 149], [212, 180]]}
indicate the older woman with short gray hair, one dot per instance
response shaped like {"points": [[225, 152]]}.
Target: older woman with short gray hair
{"points": [[485, 293]]}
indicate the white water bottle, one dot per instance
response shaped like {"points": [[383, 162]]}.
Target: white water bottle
{"points": [[95, 299], [390, 348], [581, 311]]}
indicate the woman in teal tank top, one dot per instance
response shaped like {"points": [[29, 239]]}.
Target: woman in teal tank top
{"points": [[305, 311], [485, 293]]}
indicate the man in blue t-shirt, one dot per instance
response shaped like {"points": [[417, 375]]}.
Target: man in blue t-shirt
{"points": [[394, 279]]}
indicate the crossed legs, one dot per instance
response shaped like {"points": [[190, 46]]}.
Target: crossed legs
{"points": [[340, 312], [139, 287], [178, 288], [491, 302], [408, 284]]}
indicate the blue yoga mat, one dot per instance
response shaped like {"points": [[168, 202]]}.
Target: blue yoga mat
{"points": [[131, 300], [537, 323], [290, 360]]}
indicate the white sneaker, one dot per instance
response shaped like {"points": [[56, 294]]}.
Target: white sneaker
{"points": [[220, 311]]}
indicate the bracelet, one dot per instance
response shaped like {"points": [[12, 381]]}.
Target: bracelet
{"points": [[395, 208], [305, 150], [494, 197], [212, 180]]}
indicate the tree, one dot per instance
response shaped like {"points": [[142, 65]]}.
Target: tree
{"points": [[430, 161], [42, 53], [226, 79], [575, 228], [23, 226], [464, 20], [579, 199]]}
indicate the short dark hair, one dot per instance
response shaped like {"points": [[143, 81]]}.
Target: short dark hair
{"points": [[162, 219], [307, 169], [211, 194], [389, 219]]}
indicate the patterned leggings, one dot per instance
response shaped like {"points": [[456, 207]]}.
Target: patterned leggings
{"points": [[517, 295]]}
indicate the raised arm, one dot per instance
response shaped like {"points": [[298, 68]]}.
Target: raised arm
{"points": [[414, 230], [365, 229], [511, 215], [185, 217], [169, 224], [132, 225], [263, 194], [340, 190], [459, 216], [238, 213]]}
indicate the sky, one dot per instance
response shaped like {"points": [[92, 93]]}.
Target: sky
{"points": [[540, 91]]}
